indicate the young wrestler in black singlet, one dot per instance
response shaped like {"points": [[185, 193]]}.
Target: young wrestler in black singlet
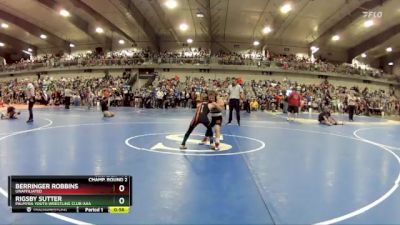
{"points": [[200, 116]]}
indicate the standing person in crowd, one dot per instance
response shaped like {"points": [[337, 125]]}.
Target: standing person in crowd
{"points": [[89, 98], [351, 104], [107, 93], [67, 97], [235, 94], [160, 97], [284, 102], [294, 101], [30, 94]]}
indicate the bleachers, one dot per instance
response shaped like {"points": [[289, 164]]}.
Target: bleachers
{"points": [[185, 77], [277, 63]]}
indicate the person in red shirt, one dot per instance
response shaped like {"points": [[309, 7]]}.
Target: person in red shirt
{"points": [[294, 101], [278, 101]]}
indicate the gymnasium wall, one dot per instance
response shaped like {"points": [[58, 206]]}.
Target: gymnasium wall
{"points": [[174, 47], [287, 49], [336, 55]]}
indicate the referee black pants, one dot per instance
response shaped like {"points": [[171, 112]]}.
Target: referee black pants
{"points": [[30, 107], [234, 104], [352, 109], [67, 102]]}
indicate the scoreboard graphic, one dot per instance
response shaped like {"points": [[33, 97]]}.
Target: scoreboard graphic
{"points": [[70, 194]]}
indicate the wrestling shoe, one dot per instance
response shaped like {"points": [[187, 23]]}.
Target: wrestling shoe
{"points": [[215, 147], [183, 147], [29, 121]]}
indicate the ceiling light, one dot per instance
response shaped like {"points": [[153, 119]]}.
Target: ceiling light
{"points": [[64, 13], [30, 50], [4, 25], [71, 45], [368, 23], [389, 49], [43, 36], [286, 8], [2, 44], [99, 30], [189, 41], [183, 27], [390, 63], [267, 30], [121, 42], [171, 4], [199, 15], [335, 38], [256, 43], [364, 55]]}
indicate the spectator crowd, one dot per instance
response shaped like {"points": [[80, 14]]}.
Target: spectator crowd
{"points": [[177, 92], [197, 57]]}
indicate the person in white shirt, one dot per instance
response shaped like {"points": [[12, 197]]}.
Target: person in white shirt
{"points": [[30, 94], [89, 98], [160, 96], [351, 104], [235, 94], [67, 97]]}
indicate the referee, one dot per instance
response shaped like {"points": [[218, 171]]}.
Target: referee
{"points": [[30, 93], [235, 92], [67, 97]]}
